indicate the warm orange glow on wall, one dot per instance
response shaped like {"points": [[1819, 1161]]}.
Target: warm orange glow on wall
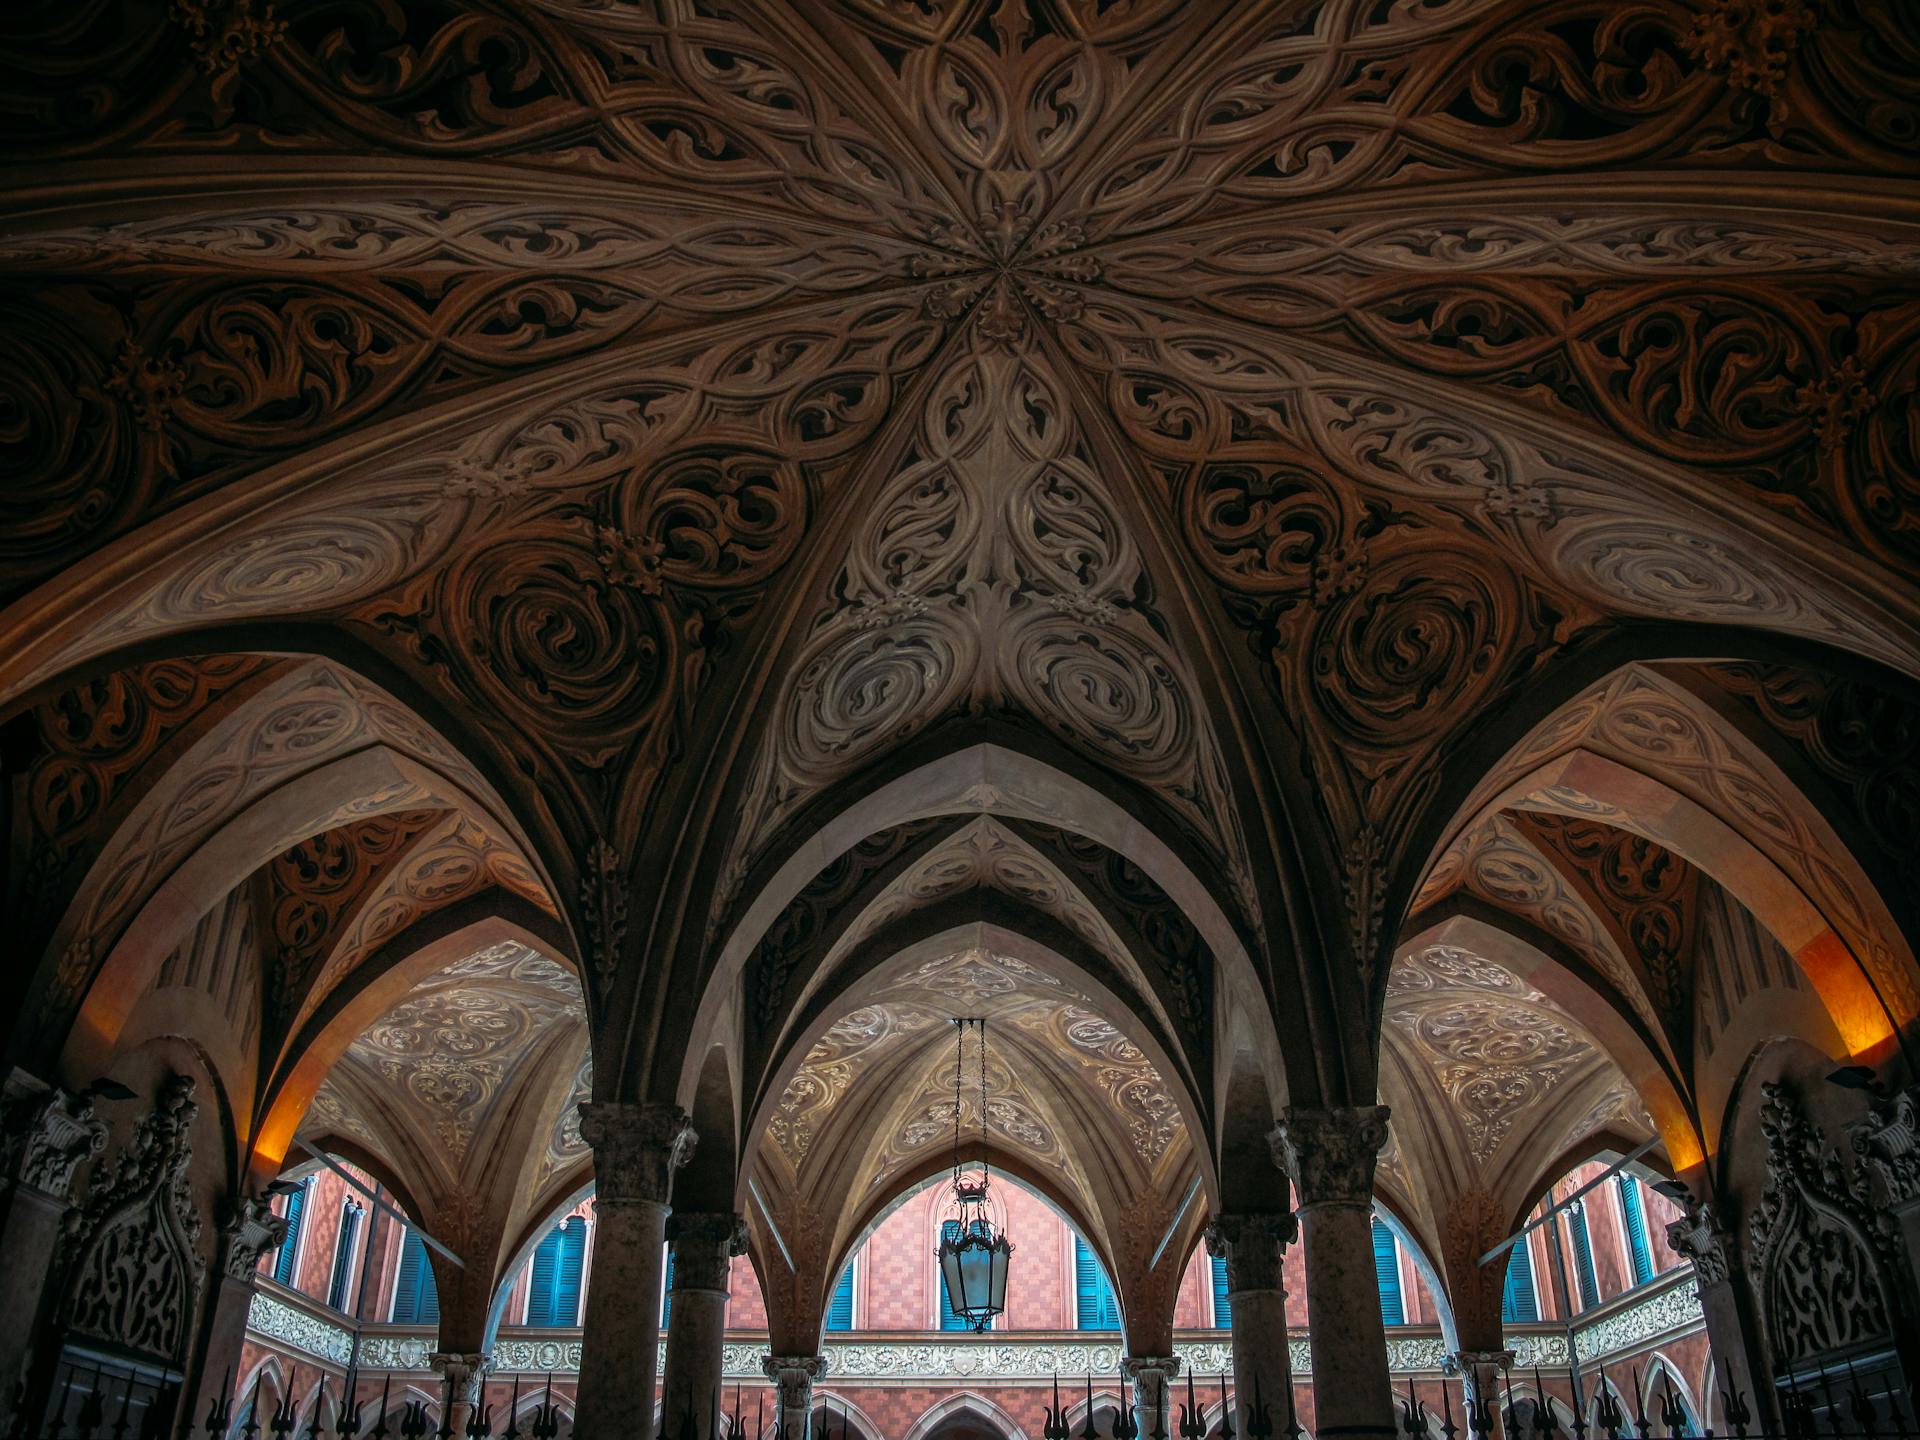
{"points": [[1858, 1016]]}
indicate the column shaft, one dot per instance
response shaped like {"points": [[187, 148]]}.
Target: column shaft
{"points": [[703, 1249], [1152, 1377], [1254, 1247], [1726, 1307]]}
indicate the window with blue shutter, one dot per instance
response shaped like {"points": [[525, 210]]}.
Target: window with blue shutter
{"points": [[666, 1300], [949, 1320], [1636, 1226], [840, 1306], [342, 1279], [1222, 1302], [1583, 1256], [553, 1288], [415, 1300], [1386, 1266], [290, 1247], [1097, 1307], [1519, 1301]]}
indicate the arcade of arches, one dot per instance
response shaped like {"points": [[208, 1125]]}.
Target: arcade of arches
{"points": [[580, 578]]}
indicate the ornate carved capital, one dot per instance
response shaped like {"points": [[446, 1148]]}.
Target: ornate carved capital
{"points": [[253, 1230], [1887, 1143], [45, 1135], [1700, 1237], [1331, 1153], [461, 1373], [636, 1149], [1151, 1375], [1475, 1363], [1254, 1247], [704, 1245], [794, 1375]]}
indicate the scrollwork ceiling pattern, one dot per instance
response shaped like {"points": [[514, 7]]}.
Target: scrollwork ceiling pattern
{"points": [[921, 317]]}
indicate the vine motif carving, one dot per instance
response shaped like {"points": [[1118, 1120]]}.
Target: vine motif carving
{"points": [[45, 1137], [134, 1277], [603, 907], [1821, 1250]]}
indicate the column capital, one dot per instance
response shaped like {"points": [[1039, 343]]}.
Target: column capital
{"points": [[1700, 1236], [1151, 1367], [636, 1149], [45, 1135], [1888, 1144], [1253, 1245], [794, 1375], [252, 1231], [462, 1372], [1330, 1152], [1471, 1362], [704, 1244]]}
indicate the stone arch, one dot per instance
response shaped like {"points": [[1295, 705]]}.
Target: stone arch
{"points": [[1661, 1370], [1390, 1215], [967, 1403], [863, 1426], [1104, 1405], [711, 1175]]}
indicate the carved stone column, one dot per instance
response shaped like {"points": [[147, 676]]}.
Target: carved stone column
{"points": [[1888, 1145], [1330, 1154], [461, 1376], [703, 1249], [1726, 1303], [1479, 1372], [794, 1376], [1152, 1376], [636, 1149], [251, 1232], [1254, 1247], [45, 1135]]}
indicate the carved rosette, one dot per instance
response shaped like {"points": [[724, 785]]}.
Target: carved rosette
{"points": [[1887, 1143], [704, 1245], [794, 1375], [636, 1149], [1700, 1237], [46, 1136], [1331, 1153], [1254, 1247], [251, 1233]]}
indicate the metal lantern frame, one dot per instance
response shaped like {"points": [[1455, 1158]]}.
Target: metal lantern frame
{"points": [[973, 1255]]}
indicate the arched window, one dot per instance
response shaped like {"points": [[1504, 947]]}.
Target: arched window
{"points": [[289, 1253], [1097, 1309], [1583, 1255], [342, 1279], [1222, 1302], [1386, 1265], [1519, 1302], [1634, 1222], [840, 1304], [553, 1289], [415, 1301]]}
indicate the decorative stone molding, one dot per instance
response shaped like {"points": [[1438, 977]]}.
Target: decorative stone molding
{"points": [[251, 1233], [45, 1136], [410, 1352], [1888, 1145], [1700, 1236], [1668, 1312], [461, 1373], [562, 1356], [275, 1320], [135, 1275], [636, 1149], [1331, 1153], [1254, 1247], [704, 1245]]}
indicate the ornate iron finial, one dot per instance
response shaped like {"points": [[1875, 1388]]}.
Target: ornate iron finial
{"points": [[1673, 1414], [512, 1432], [1259, 1419], [319, 1403], [480, 1416], [1447, 1428], [1055, 1427], [220, 1409], [1088, 1430], [379, 1430], [1413, 1415], [1226, 1410], [1545, 1422], [1193, 1425]]}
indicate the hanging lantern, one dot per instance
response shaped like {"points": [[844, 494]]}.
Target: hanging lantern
{"points": [[973, 1259]]}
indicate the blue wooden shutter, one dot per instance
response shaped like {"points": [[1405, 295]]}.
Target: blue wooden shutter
{"points": [[840, 1307], [540, 1284], [1386, 1265], [1222, 1302], [949, 1319], [343, 1256], [415, 1300], [1519, 1302], [1636, 1223], [1583, 1256], [290, 1247], [573, 1261], [666, 1301], [1096, 1306]]}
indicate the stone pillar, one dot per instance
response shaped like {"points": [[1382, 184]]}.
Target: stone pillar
{"points": [[461, 1376], [703, 1249], [252, 1231], [1726, 1304], [1480, 1372], [45, 1135], [1330, 1154], [1153, 1377], [1254, 1247], [636, 1149], [794, 1375]]}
